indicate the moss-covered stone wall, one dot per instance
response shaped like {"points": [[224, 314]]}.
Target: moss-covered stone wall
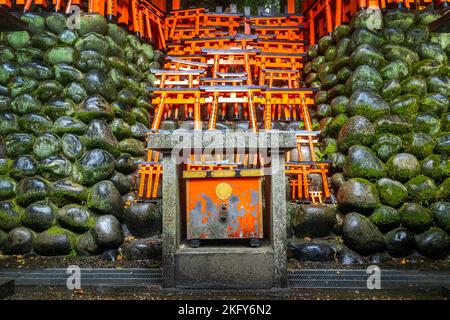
{"points": [[74, 110], [382, 106]]}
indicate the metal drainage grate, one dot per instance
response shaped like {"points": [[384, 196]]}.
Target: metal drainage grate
{"points": [[357, 278], [127, 277]]}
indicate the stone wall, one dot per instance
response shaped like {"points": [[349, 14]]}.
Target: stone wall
{"points": [[73, 114], [382, 106]]}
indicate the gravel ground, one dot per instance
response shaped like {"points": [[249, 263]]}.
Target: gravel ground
{"points": [[53, 293]]}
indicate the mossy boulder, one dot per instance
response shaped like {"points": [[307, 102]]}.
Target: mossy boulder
{"points": [[32, 189], [10, 215], [71, 146], [22, 167], [403, 167], [46, 145], [98, 135], [436, 103], [7, 187], [94, 166], [392, 193], [356, 130], [132, 146], [40, 215], [427, 123], [64, 125], [391, 89], [312, 221], [107, 233], [386, 145], [75, 217], [421, 189], [65, 191], [358, 194], [443, 144], [415, 217], [93, 23], [443, 193], [125, 164], [436, 167], [393, 124], [419, 144], [405, 106], [361, 162], [55, 167], [395, 70], [94, 107], [367, 103], [361, 235], [385, 218], [105, 199], [364, 77], [54, 242], [441, 214]]}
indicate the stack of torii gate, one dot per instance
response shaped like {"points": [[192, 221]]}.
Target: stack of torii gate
{"points": [[224, 68]]}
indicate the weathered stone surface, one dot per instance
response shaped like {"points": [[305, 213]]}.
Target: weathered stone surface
{"points": [[10, 215], [385, 218], [94, 166], [359, 195], [105, 199], [362, 163], [312, 251], [348, 257], [392, 193], [66, 191], [403, 166], [107, 232], [144, 219], [125, 164], [40, 215], [54, 242], [415, 217], [86, 244], [361, 235], [400, 242], [18, 241], [30, 190], [75, 217], [441, 214], [421, 189], [312, 220], [356, 130], [142, 249], [433, 243], [122, 182]]}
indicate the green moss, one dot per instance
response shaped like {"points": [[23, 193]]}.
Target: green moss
{"points": [[10, 215], [421, 189], [58, 230], [392, 193], [385, 218], [415, 217], [443, 193]]}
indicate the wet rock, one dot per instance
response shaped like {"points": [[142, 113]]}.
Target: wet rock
{"points": [[405, 106], [433, 243], [358, 194], [132, 146], [403, 166], [142, 249], [385, 218], [392, 193], [361, 162], [99, 135], [368, 104], [7, 187], [400, 242], [421, 189], [393, 124], [337, 228], [436, 167], [105, 199], [337, 160], [40, 215], [312, 252], [18, 241], [120, 128], [348, 257], [94, 166], [386, 145], [125, 164], [18, 143], [54, 242], [10, 215], [337, 181], [379, 258], [71, 146], [356, 130], [110, 255], [312, 220], [441, 214], [361, 235], [94, 107], [30, 190], [144, 219], [122, 182], [107, 232], [419, 144], [139, 131], [443, 193], [443, 144], [55, 167], [415, 217], [427, 123], [46, 145], [75, 217], [86, 244], [66, 191]]}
